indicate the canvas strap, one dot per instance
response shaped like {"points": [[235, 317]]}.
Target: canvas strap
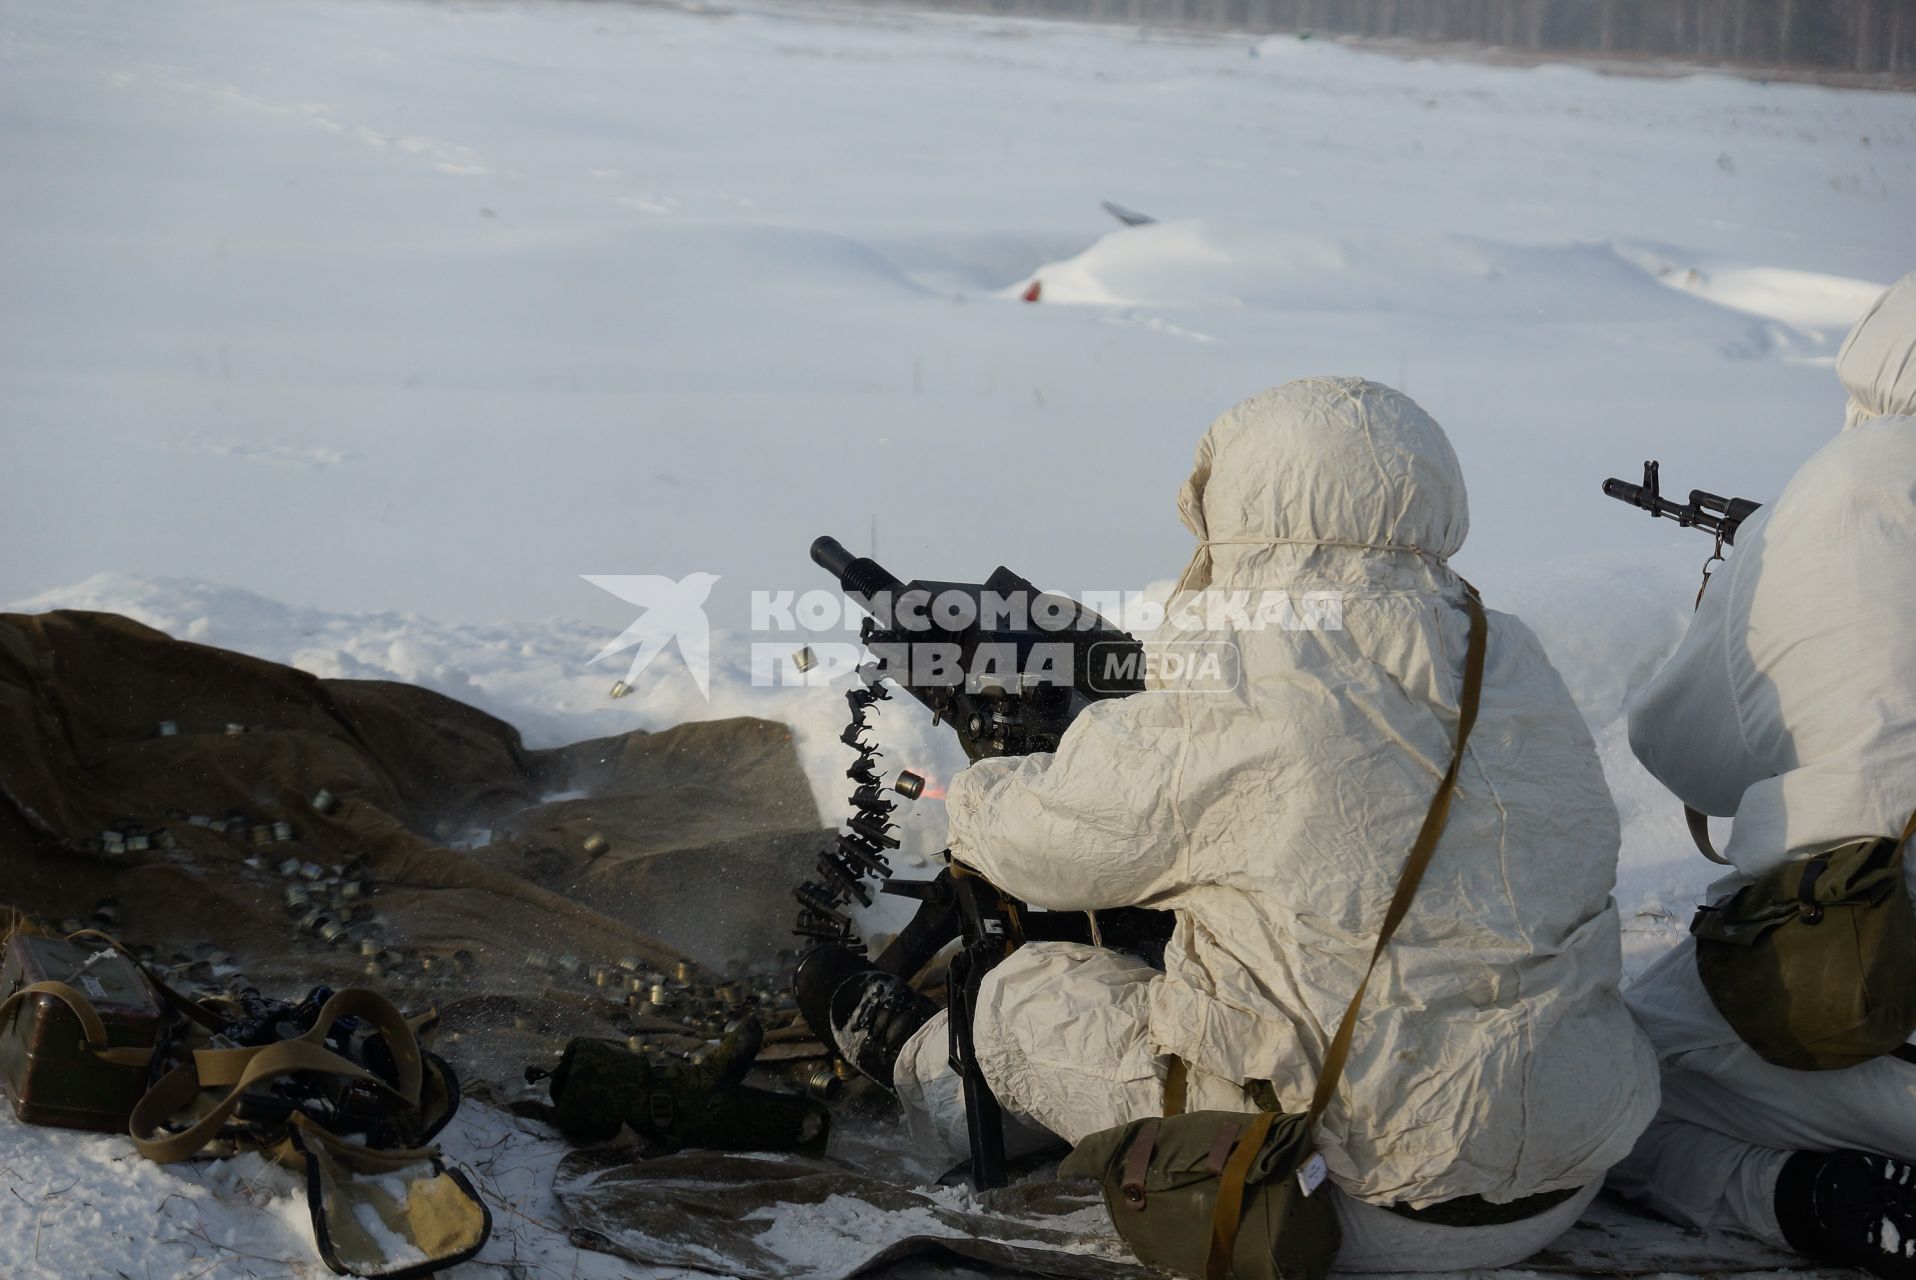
{"points": [[1700, 832], [248, 1068], [91, 1028], [1229, 1212], [1420, 854], [1699, 826]]}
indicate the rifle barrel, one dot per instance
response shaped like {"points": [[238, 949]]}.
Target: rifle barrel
{"points": [[1623, 491]]}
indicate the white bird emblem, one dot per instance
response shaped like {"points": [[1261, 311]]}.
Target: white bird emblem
{"points": [[674, 613]]}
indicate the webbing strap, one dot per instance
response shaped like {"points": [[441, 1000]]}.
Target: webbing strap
{"points": [[224, 1066], [1229, 1214], [91, 1027], [246, 1069], [357, 1157], [178, 1087], [1420, 854], [1700, 834]]}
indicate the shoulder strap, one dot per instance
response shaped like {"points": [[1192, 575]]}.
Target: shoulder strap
{"points": [[1700, 835], [1420, 853], [91, 1027], [244, 1069]]}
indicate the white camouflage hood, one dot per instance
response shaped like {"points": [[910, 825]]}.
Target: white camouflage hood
{"points": [[1323, 462], [1878, 361]]}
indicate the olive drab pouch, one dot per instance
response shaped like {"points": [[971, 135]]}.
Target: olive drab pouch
{"points": [[1215, 1194], [1814, 964], [601, 1087]]}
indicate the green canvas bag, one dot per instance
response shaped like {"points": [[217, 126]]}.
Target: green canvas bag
{"points": [[1814, 964], [1212, 1194], [600, 1086]]}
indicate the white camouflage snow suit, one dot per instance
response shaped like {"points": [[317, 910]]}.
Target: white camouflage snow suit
{"points": [[1494, 1057], [1790, 705]]}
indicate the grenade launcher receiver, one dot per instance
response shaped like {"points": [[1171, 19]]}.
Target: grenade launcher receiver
{"points": [[1008, 667]]}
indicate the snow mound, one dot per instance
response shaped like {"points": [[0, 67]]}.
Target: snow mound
{"points": [[1803, 299], [1226, 263]]}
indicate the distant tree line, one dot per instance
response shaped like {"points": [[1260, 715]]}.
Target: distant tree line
{"points": [[1849, 35]]}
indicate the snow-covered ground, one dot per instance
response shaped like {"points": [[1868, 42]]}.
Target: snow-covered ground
{"points": [[352, 332], [382, 306], [86, 1205]]}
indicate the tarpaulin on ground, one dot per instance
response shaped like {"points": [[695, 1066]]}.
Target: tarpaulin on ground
{"points": [[793, 1218], [152, 771]]}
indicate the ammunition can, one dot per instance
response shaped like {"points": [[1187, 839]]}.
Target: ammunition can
{"points": [[48, 1072]]}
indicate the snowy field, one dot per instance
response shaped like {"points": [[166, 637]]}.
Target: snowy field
{"points": [[352, 332]]}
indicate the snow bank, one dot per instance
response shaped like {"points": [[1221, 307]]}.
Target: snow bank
{"points": [[1204, 263]]}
